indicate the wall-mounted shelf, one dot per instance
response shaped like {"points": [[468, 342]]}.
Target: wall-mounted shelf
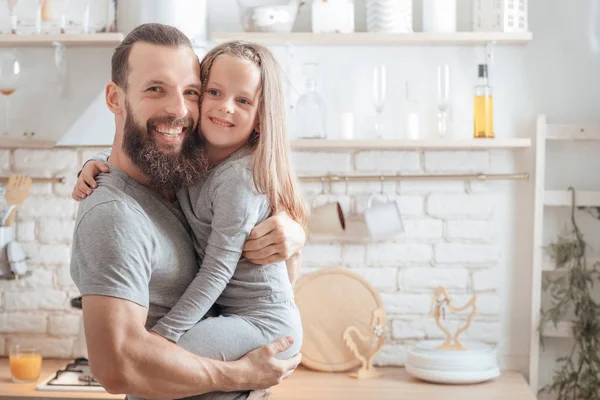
{"points": [[14, 277], [573, 132], [563, 329], [562, 198], [341, 145], [13, 143], [71, 40], [378, 39], [392, 144]]}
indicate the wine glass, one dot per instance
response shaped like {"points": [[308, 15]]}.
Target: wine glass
{"points": [[443, 95], [9, 76], [379, 95]]}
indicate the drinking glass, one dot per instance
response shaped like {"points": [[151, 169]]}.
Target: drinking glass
{"points": [[25, 364], [379, 95], [443, 95], [9, 76]]}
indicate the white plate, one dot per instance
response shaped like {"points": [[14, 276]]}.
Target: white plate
{"points": [[454, 377], [478, 357]]}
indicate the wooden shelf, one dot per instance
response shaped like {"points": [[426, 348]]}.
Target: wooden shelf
{"points": [[12, 143], [378, 39], [563, 329], [72, 40], [392, 144], [562, 198], [573, 132]]}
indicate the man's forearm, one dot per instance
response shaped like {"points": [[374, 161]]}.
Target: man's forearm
{"points": [[157, 368], [126, 358]]}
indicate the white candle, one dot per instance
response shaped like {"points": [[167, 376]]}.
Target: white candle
{"points": [[412, 126], [347, 125]]}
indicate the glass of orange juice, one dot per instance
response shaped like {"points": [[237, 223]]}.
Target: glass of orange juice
{"points": [[25, 364]]}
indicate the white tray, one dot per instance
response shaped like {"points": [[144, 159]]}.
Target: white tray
{"points": [[453, 377]]}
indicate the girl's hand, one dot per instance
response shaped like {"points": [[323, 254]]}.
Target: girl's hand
{"points": [[86, 182]]}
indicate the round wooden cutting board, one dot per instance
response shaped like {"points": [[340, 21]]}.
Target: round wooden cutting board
{"points": [[329, 301]]}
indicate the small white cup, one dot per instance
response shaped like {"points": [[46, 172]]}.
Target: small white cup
{"points": [[6, 236], [327, 219], [384, 220]]}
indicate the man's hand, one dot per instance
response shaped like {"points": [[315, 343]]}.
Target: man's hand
{"points": [[261, 369], [274, 240]]}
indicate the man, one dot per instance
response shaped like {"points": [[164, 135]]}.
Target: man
{"points": [[132, 252]]}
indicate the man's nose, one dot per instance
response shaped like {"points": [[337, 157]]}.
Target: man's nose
{"points": [[176, 107]]}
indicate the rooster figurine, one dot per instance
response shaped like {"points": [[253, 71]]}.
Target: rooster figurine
{"points": [[441, 300], [374, 339]]}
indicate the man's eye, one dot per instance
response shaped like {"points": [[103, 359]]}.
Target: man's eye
{"points": [[154, 89], [192, 92]]}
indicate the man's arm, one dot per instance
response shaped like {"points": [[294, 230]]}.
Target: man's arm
{"points": [[125, 358], [111, 265]]}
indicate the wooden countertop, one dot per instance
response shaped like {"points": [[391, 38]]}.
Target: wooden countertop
{"points": [[304, 384]]}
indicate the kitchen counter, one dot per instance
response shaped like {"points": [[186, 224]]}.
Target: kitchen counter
{"points": [[304, 384]]}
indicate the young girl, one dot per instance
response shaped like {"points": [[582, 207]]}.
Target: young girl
{"points": [[242, 120]]}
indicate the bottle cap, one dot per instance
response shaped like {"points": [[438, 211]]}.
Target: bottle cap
{"points": [[483, 70]]}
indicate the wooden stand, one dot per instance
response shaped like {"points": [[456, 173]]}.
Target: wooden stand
{"points": [[375, 336], [439, 310]]}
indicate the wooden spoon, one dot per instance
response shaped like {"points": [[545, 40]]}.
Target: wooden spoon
{"points": [[16, 193]]}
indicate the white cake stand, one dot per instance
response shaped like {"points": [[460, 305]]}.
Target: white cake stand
{"points": [[476, 363], [452, 361]]}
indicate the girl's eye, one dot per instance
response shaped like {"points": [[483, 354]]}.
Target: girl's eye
{"points": [[213, 92], [244, 101]]}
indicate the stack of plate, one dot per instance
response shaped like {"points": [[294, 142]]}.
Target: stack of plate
{"points": [[476, 364], [391, 16]]}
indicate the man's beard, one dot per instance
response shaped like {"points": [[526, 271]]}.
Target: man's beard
{"points": [[165, 170]]}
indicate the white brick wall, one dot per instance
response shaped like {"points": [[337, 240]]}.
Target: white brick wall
{"points": [[36, 310], [457, 161], [460, 206], [388, 161], [450, 240]]}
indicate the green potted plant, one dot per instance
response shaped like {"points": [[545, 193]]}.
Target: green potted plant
{"points": [[577, 376]]}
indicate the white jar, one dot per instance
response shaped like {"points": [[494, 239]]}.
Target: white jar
{"points": [[390, 16], [190, 16], [439, 16]]}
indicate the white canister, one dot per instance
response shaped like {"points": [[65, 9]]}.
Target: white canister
{"points": [[439, 16], [190, 16]]}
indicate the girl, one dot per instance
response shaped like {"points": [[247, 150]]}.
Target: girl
{"points": [[242, 119]]}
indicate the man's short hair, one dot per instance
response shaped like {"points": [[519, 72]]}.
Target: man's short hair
{"points": [[153, 33]]}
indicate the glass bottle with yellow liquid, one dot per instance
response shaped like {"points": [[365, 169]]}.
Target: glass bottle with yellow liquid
{"points": [[484, 106]]}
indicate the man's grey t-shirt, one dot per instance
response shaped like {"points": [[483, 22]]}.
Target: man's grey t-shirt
{"points": [[131, 243]]}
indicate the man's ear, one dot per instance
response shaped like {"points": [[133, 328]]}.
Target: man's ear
{"points": [[115, 98]]}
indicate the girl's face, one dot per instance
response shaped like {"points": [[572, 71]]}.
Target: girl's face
{"points": [[230, 103]]}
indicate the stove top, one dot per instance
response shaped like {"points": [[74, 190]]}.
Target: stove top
{"points": [[75, 377]]}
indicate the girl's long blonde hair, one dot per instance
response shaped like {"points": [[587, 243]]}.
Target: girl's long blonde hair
{"points": [[272, 169]]}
